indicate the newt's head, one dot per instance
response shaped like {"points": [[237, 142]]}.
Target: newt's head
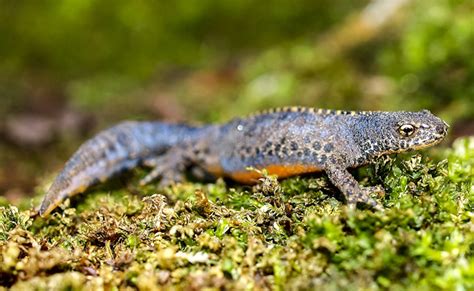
{"points": [[395, 132]]}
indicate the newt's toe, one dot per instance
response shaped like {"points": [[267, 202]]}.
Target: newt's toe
{"points": [[153, 175], [369, 200], [364, 197]]}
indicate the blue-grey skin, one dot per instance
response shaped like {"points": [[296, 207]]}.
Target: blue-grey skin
{"points": [[122, 147], [293, 140]]}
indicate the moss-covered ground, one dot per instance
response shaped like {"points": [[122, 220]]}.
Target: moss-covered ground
{"points": [[283, 235]]}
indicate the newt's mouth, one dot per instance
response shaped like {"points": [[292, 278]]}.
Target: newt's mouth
{"points": [[415, 147], [427, 145]]}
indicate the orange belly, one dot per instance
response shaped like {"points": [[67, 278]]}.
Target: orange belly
{"points": [[282, 171]]}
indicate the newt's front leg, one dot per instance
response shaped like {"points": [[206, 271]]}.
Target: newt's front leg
{"points": [[344, 181]]}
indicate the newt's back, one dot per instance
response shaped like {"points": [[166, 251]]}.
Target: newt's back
{"points": [[297, 139]]}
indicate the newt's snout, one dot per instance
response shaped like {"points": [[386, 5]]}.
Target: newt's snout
{"points": [[442, 129]]}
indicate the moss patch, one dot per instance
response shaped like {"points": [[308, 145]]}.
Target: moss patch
{"points": [[291, 234]]}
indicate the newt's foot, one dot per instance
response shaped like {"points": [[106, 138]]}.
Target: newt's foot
{"points": [[364, 197], [166, 167], [167, 176]]}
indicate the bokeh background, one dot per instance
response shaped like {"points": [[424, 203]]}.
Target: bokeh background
{"points": [[70, 68]]}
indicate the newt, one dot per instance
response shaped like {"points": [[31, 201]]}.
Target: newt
{"points": [[284, 141]]}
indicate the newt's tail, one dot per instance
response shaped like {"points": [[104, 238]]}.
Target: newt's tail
{"points": [[119, 148]]}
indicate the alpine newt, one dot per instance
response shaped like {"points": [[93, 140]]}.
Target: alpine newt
{"points": [[285, 141]]}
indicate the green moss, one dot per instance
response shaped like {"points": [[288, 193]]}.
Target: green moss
{"points": [[276, 235]]}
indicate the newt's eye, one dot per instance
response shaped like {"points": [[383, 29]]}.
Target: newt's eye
{"points": [[406, 130]]}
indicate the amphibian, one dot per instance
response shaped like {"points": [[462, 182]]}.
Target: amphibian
{"points": [[284, 141]]}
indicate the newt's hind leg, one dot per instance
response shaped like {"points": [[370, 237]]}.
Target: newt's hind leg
{"points": [[351, 189], [169, 167]]}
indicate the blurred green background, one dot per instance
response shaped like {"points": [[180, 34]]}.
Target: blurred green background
{"points": [[69, 68]]}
